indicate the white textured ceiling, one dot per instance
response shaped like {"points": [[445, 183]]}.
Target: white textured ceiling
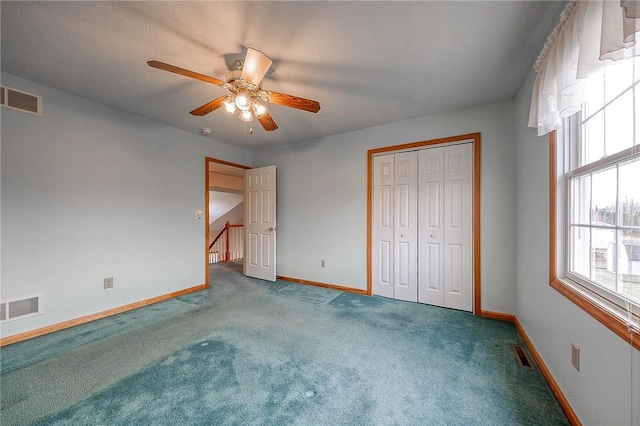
{"points": [[367, 63]]}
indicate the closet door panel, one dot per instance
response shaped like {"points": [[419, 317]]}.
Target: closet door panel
{"points": [[383, 225], [453, 259], [430, 233], [406, 232], [431, 263], [458, 227]]}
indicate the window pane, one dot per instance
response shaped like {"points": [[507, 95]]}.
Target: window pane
{"points": [[617, 80], [629, 264], [596, 95], [629, 193], [619, 124], [637, 113], [593, 139], [636, 96], [603, 258], [580, 199], [603, 195], [579, 255]]}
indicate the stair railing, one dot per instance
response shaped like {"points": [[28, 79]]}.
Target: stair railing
{"points": [[229, 242]]}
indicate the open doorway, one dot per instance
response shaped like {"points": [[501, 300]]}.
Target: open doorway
{"points": [[224, 212]]}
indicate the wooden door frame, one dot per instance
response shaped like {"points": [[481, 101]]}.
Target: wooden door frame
{"points": [[207, 161], [475, 140]]}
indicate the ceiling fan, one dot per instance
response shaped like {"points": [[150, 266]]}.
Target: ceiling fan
{"points": [[245, 85]]}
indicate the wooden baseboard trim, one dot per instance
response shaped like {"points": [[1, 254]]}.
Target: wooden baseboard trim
{"points": [[324, 285], [498, 316], [92, 317], [564, 403]]}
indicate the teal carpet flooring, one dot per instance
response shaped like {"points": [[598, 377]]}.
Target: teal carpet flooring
{"points": [[250, 352]]}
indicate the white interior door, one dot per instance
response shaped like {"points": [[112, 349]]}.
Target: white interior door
{"points": [[458, 227], [431, 239], [405, 277], [383, 224], [446, 227], [260, 223], [394, 268]]}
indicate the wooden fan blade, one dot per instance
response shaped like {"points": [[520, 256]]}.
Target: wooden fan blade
{"points": [[256, 65], [208, 107], [293, 101], [267, 122], [177, 70]]}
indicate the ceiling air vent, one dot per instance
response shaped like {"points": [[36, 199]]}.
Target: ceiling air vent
{"points": [[21, 308], [21, 101]]}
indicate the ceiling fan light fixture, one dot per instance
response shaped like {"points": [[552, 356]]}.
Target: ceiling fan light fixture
{"points": [[246, 115], [243, 102], [229, 104], [259, 109]]}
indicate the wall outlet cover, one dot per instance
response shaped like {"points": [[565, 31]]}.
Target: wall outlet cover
{"points": [[575, 356], [108, 282]]}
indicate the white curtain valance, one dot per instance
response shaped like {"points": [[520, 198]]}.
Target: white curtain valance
{"points": [[591, 37]]}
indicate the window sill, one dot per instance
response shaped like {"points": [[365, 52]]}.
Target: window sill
{"points": [[610, 315]]}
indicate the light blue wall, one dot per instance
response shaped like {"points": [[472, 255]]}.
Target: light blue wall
{"points": [[600, 391], [90, 192], [322, 198]]}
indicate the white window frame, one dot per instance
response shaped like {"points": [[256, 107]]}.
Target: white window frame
{"points": [[605, 306]]}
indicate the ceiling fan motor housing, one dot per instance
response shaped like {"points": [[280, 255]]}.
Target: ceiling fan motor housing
{"points": [[234, 75]]}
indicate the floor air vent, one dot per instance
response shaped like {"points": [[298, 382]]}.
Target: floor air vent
{"points": [[21, 308], [521, 357], [21, 101]]}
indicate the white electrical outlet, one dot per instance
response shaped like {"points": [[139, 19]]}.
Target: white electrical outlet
{"points": [[199, 214], [575, 356], [322, 264]]}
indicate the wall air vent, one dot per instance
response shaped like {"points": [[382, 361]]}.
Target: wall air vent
{"points": [[22, 307], [21, 101]]}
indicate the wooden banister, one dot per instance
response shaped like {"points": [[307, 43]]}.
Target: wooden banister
{"points": [[218, 237], [227, 253], [226, 228]]}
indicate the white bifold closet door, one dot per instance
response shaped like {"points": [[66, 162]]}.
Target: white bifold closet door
{"points": [[445, 216], [395, 229], [423, 226]]}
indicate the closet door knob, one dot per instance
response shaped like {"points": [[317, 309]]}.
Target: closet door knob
{"points": [[433, 235]]}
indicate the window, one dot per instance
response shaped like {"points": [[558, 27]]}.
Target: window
{"points": [[597, 210]]}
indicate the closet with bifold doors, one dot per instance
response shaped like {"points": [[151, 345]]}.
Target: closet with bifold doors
{"points": [[422, 225]]}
